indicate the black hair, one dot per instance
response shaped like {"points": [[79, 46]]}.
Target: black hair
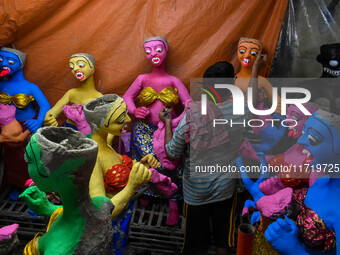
{"points": [[218, 73]]}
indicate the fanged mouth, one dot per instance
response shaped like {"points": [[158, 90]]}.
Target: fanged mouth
{"points": [[246, 61], [5, 70], [292, 132], [331, 72], [79, 75], [308, 155], [124, 129], [156, 60]]}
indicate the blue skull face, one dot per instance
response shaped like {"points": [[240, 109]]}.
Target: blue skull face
{"points": [[9, 63], [321, 142]]}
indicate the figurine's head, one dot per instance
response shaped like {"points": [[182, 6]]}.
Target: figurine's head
{"points": [[82, 65], [107, 113], [294, 113], [329, 57], [156, 49], [60, 158], [247, 51], [321, 139], [11, 61], [7, 113]]}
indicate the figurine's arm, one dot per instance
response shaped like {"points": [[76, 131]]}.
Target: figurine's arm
{"points": [[181, 90], [54, 112], [97, 187], [15, 138], [44, 106], [37, 201], [138, 176], [130, 96]]}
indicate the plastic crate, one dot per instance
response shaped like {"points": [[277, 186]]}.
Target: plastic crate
{"points": [[17, 212], [149, 232]]}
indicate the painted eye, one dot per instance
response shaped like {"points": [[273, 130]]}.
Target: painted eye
{"points": [[333, 63], [121, 121], [11, 62], [295, 118], [159, 50], [312, 140], [81, 65], [302, 132], [71, 66], [1, 59], [147, 52], [242, 51], [253, 53]]}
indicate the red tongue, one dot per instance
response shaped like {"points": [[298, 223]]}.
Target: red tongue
{"points": [[4, 72], [291, 132]]}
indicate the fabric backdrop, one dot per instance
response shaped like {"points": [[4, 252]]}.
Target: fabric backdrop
{"points": [[200, 32]]}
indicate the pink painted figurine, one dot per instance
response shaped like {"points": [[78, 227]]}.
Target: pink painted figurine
{"points": [[152, 92]]}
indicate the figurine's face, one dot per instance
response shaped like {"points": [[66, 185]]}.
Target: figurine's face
{"points": [[320, 141], [7, 113], [155, 52], [247, 52], [117, 119], [9, 63], [81, 67], [294, 113], [36, 170]]}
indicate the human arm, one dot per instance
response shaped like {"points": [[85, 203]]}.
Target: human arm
{"points": [[138, 176], [54, 112], [253, 83], [165, 117], [33, 124], [130, 96], [37, 201]]}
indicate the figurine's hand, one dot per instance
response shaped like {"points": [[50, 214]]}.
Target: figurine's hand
{"points": [[139, 175], [255, 217], [253, 187], [165, 114], [150, 161], [37, 201], [33, 125], [50, 121], [283, 236], [141, 112], [76, 114]]}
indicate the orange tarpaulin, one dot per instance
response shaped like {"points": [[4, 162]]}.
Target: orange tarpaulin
{"points": [[199, 32]]}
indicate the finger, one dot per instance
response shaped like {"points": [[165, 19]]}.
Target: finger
{"points": [[282, 225], [291, 223], [146, 175], [271, 233]]}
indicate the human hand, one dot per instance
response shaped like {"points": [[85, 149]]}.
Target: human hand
{"points": [[255, 217], [50, 120], [283, 236], [141, 112], [150, 161], [76, 114], [33, 125], [139, 175], [260, 60], [37, 201], [165, 114]]}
